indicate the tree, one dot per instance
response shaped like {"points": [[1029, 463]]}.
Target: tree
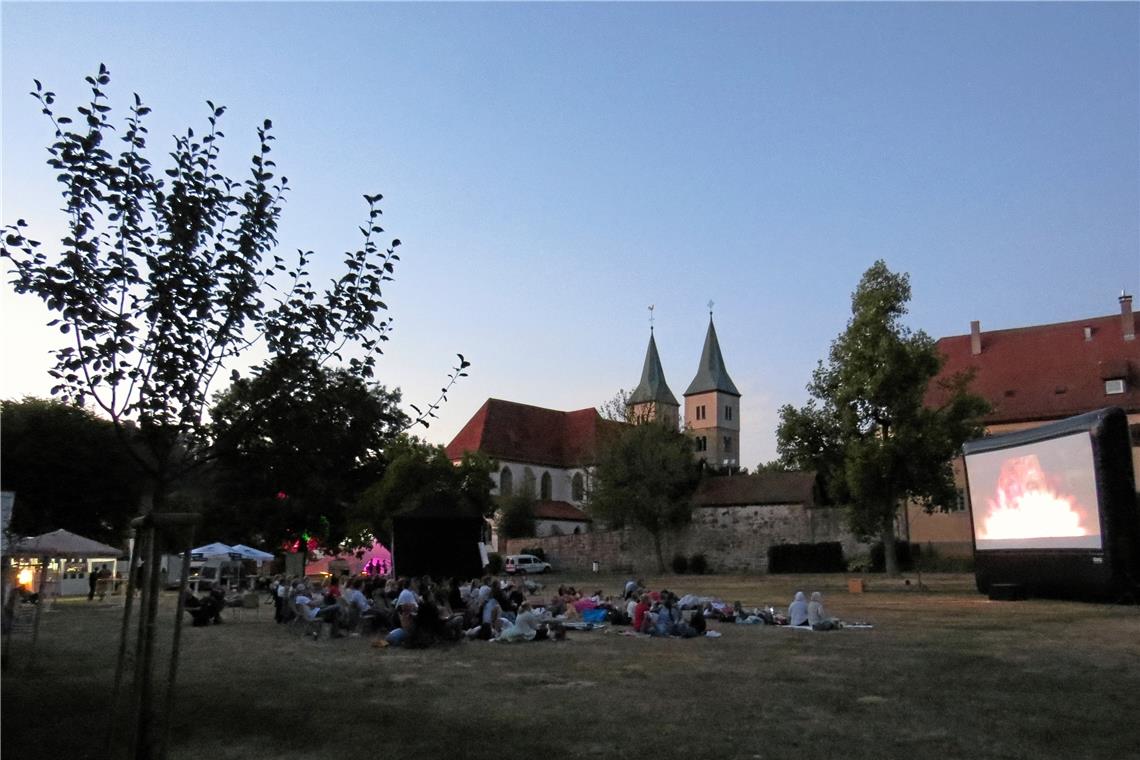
{"points": [[159, 283], [866, 429], [162, 280], [67, 470], [515, 517], [420, 475], [617, 408], [295, 446], [646, 477]]}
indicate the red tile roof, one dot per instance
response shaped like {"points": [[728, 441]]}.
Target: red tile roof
{"points": [[757, 488], [532, 434], [559, 510], [1046, 371]]}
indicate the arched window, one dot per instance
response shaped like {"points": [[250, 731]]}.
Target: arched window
{"points": [[578, 487], [506, 482], [528, 482], [547, 487]]}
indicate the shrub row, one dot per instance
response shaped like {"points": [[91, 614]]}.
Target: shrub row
{"points": [[806, 558], [698, 564]]}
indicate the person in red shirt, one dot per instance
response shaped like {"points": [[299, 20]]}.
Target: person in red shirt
{"points": [[639, 612]]}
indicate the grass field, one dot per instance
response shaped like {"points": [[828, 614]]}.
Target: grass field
{"points": [[945, 673]]}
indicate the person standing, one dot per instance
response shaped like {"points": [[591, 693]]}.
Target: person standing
{"points": [[92, 582]]}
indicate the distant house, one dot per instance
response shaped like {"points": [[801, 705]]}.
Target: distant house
{"points": [[545, 452], [1030, 376]]}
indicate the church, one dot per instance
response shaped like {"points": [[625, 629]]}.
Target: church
{"points": [[551, 453], [736, 519]]}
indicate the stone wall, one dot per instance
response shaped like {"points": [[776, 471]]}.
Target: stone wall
{"points": [[733, 540]]}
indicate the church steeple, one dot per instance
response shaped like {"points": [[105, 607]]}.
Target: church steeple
{"points": [[652, 399], [712, 407], [711, 372]]}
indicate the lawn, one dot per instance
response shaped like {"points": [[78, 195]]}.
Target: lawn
{"points": [[945, 673]]}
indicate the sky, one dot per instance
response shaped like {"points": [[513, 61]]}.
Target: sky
{"points": [[554, 169]]}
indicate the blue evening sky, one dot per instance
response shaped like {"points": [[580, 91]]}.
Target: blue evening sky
{"points": [[553, 169]]}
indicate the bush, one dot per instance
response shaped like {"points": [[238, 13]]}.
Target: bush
{"points": [[824, 557], [906, 552], [680, 564], [494, 563], [537, 551], [698, 565]]}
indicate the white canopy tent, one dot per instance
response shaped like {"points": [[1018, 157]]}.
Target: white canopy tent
{"points": [[215, 551], [57, 544], [248, 552]]}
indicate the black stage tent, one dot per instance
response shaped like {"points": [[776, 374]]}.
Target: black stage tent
{"points": [[437, 540]]}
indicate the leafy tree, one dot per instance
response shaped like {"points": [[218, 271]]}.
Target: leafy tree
{"points": [[515, 517], [646, 477], [866, 429], [67, 470], [617, 408], [420, 475], [296, 445], [164, 277]]}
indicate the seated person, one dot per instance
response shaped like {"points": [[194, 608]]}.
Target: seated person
{"points": [[817, 616], [640, 613], [492, 620], [528, 626], [798, 610]]}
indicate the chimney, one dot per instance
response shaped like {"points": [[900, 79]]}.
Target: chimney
{"points": [[975, 337], [1127, 320]]}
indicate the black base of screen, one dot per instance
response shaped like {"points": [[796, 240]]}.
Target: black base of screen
{"points": [[1007, 592], [1060, 574]]}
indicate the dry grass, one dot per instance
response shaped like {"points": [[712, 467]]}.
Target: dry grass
{"points": [[945, 673]]}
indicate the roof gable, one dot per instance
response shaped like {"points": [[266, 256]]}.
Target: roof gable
{"points": [[559, 510], [797, 487], [1045, 371], [524, 433]]}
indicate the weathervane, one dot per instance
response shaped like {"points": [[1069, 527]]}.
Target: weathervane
{"points": [[710, 306], [650, 317]]}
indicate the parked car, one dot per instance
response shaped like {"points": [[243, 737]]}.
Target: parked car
{"points": [[525, 563]]}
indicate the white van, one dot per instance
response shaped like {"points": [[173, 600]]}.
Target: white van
{"points": [[525, 563]]}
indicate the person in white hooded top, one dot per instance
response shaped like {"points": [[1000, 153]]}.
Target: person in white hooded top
{"points": [[798, 610], [817, 616]]}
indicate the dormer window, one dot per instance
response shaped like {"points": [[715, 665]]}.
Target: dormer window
{"points": [[1114, 386]]}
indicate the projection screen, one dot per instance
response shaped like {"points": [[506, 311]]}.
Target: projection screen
{"points": [[1039, 495]]}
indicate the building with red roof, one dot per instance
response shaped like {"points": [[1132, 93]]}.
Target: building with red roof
{"points": [[1031, 376], [542, 451]]}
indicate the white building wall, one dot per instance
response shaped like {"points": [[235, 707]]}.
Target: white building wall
{"points": [[561, 479]]}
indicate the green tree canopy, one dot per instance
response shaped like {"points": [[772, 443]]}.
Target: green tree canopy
{"points": [[646, 478], [515, 516], [295, 446], [865, 428], [421, 475], [163, 277], [67, 469]]}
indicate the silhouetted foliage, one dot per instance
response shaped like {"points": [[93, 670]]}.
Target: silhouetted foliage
{"points": [[67, 470]]}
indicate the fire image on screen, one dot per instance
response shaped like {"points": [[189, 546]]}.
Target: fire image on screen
{"points": [[1037, 496]]}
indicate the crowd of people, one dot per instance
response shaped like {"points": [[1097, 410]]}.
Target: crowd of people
{"points": [[421, 612]]}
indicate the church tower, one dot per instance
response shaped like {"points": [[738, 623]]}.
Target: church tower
{"points": [[712, 407], [652, 399]]}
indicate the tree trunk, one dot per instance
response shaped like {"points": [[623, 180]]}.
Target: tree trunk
{"points": [[890, 556], [660, 556]]}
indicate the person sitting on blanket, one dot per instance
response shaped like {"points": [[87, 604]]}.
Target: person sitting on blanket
{"points": [[640, 613], [817, 616], [528, 626], [798, 610]]}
